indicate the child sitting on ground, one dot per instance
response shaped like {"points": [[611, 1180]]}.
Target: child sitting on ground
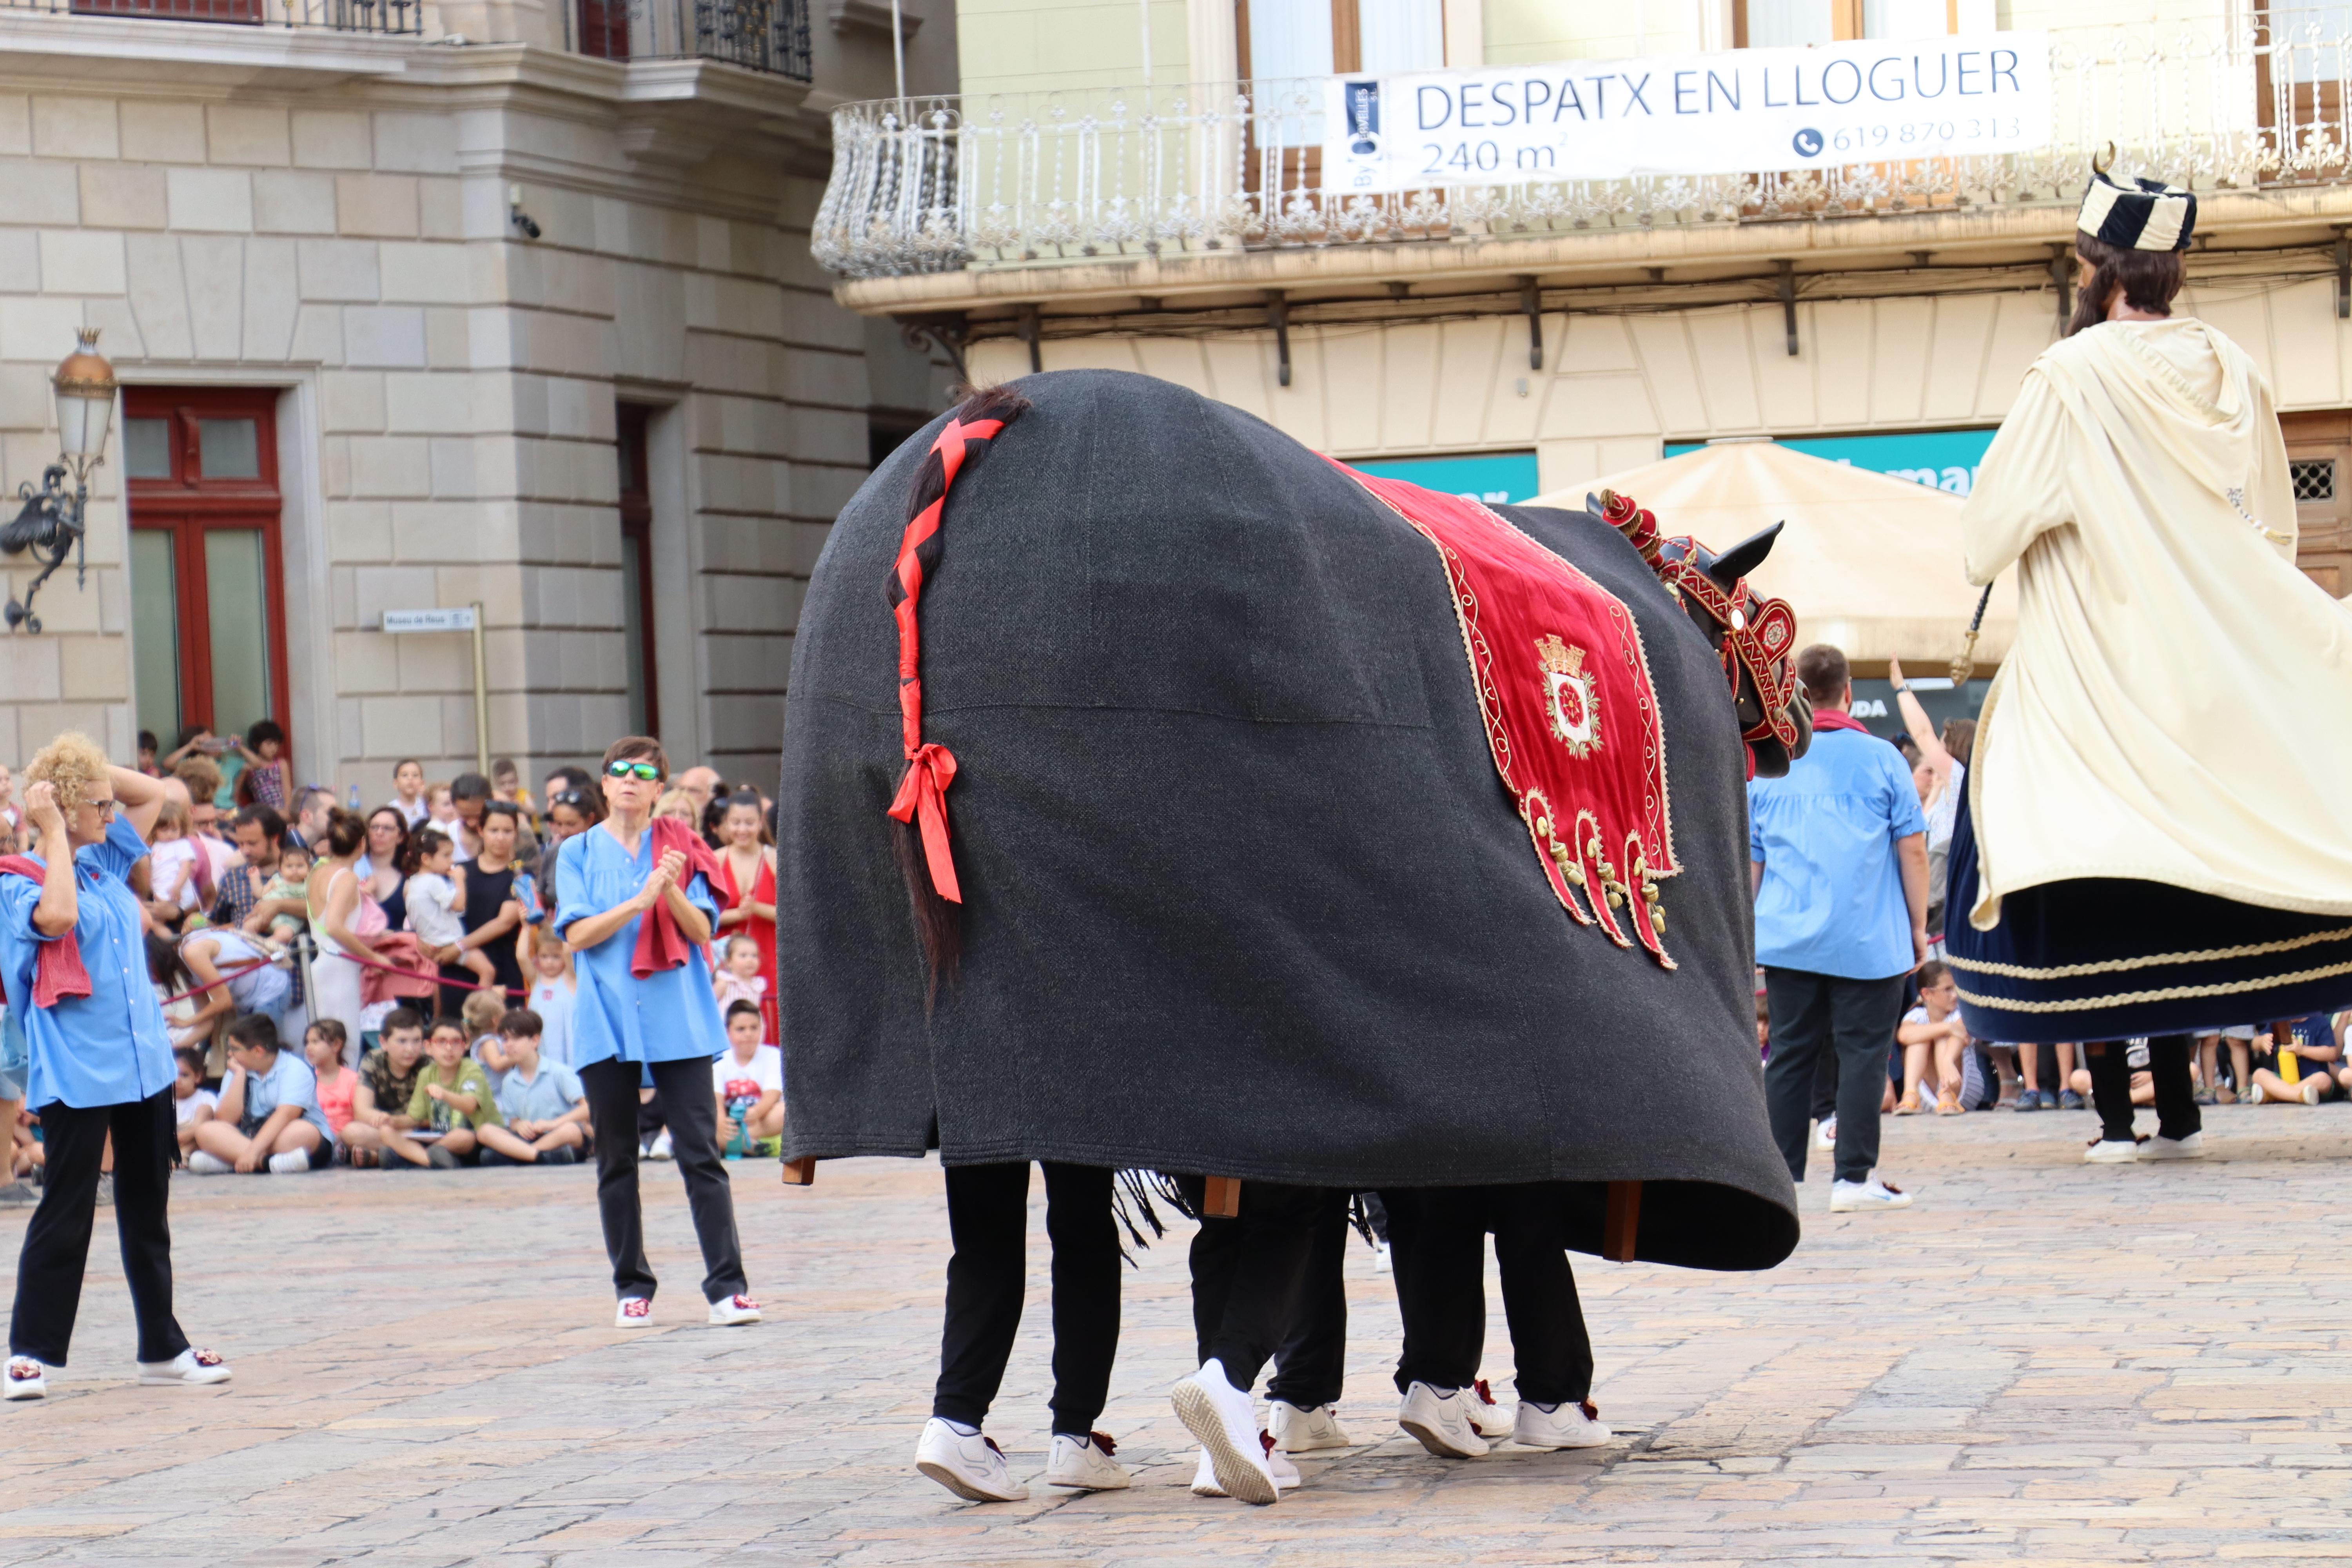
{"points": [[453, 1097], [381, 1126], [1933, 1026], [2301, 1070], [191, 1102], [550, 998], [749, 1080], [483, 1012], [268, 1116], [740, 980], [322, 1047], [436, 902], [544, 1110]]}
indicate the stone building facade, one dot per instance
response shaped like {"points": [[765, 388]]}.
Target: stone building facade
{"points": [[464, 315]]}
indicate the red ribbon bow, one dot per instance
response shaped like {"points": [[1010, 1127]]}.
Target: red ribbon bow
{"points": [[923, 794]]}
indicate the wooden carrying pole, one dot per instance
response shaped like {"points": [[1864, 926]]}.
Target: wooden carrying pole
{"points": [[1222, 1199], [800, 1173], [1623, 1221]]}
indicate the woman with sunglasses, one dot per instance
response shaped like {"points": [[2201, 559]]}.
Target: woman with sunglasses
{"points": [[634, 905], [73, 959]]}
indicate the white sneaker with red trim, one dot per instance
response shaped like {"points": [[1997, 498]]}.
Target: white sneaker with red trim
{"points": [[968, 1464], [1488, 1419], [729, 1311], [27, 1378], [1277, 1464], [1084, 1463], [191, 1366], [634, 1312], [1564, 1426]]}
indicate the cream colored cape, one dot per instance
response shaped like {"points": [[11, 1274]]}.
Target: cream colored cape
{"points": [[2178, 704]]}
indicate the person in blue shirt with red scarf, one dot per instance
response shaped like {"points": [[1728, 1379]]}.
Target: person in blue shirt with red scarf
{"points": [[632, 901], [73, 959]]}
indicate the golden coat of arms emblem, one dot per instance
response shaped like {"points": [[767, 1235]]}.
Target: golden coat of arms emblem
{"points": [[1570, 699]]}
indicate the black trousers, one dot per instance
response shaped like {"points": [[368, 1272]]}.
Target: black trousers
{"points": [[1311, 1364], [1813, 1013], [1440, 1237], [1246, 1272], [56, 1241], [988, 1219], [2176, 1115], [685, 1087]]}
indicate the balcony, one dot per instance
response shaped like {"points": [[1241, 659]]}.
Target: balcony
{"points": [[767, 36], [1215, 184]]}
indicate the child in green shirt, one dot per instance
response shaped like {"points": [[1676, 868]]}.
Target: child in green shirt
{"points": [[453, 1098]]}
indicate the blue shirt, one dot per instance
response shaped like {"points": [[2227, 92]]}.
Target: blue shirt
{"points": [[290, 1082], [1832, 899], [548, 1095], [664, 1017], [109, 1047]]}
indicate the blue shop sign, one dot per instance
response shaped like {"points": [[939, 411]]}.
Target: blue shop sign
{"points": [[1500, 479], [1941, 459]]}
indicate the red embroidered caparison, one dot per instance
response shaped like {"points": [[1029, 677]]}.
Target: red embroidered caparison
{"points": [[1571, 714], [922, 797]]}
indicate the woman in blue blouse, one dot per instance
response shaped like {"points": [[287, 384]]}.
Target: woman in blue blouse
{"points": [[73, 959], [634, 1021]]}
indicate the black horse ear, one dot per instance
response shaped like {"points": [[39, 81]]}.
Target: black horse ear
{"points": [[1744, 557]]}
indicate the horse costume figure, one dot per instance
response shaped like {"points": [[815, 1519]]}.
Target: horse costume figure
{"points": [[1189, 740]]}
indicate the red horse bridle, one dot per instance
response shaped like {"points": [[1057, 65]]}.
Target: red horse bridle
{"points": [[1759, 634]]}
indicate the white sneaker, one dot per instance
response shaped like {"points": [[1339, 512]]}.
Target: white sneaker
{"points": [[2254, 1096], [1223, 1420], [661, 1149], [206, 1163], [1488, 1419], [1383, 1259], [292, 1163], [1084, 1463], [2309, 1089], [971, 1467], [192, 1366], [1297, 1431], [1277, 1465], [1849, 1197], [2111, 1151], [1568, 1427], [634, 1312], [734, 1309], [27, 1378], [1442, 1422], [1826, 1136], [2162, 1148]]}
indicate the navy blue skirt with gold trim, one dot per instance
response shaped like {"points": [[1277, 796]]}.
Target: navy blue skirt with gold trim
{"points": [[2107, 958]]}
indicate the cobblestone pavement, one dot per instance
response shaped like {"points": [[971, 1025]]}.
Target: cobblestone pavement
{"points": [[2042, 1363]]}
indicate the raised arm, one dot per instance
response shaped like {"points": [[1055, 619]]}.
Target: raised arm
{"points": [[59, 906], [139, 797], [1916, 721]]}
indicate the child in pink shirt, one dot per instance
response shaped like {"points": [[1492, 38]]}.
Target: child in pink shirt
{"points": [[322, 1046]]}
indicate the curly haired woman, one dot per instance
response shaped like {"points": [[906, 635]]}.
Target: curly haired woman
{"points": [[73, 959]]}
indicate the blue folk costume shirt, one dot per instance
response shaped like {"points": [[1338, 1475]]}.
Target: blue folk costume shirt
{"points": [[109, 1047], [668, 1015]]}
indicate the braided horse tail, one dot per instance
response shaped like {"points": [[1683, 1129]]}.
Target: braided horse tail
{"points": [[919, 813]]}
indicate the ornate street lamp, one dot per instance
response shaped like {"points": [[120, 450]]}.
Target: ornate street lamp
{"points": [[51, 524]]}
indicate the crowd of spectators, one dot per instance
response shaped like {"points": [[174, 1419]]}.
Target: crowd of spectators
{"points": [[392, 990]]}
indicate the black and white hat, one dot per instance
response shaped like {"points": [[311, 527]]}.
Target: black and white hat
{"points": [[2147, 215]]}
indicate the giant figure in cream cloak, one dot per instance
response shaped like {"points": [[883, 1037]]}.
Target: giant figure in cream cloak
{"points": [[2160, 808]]}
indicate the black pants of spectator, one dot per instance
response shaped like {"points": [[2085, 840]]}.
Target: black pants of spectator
{"points": [[1826, 1086], [2176, 1115], [988, 1219], [1376, 1213], [1311, 1363], [1439, 1235], [56, 1241], [1813, 1013], [612, 1087], [1246, 1272]]}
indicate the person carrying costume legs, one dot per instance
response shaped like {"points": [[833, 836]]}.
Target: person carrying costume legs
{"points": [[73, 961], [2177, 1120], [1247, 1275], [1441, 1244], [987, 1221], [634, 904]]}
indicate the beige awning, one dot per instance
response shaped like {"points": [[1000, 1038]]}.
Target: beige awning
{"points": [[1870, 564]]}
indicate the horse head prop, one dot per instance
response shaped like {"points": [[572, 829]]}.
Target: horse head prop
{"points": [[1755, 637]]}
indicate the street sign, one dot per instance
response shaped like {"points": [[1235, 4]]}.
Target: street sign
{"points": [[428, 620]]}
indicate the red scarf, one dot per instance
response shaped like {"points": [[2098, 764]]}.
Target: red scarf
{"points": [[1835, 718], [660, 944], [57, 972]]}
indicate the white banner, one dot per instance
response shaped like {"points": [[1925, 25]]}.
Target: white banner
{"points": [[1748, 111]]}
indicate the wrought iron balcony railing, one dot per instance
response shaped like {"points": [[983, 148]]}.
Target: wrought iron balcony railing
{"points": [[943, 183], [770, 36], [392, 17]]}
